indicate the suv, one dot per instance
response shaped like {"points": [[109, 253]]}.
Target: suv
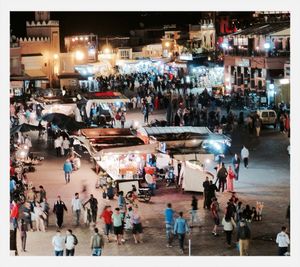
{"points": [[268, 117]]}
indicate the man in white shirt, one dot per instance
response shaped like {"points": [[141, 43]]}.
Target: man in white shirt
{"points": [[283, 241], [58, 244], [76, 207], [245, 156], [71, 241], [66, 145], [58, 145]]}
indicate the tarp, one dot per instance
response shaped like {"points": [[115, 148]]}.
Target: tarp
{"points": [[193, 177], [141, 149]]}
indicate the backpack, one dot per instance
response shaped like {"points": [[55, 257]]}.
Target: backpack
{"points": [[75, 240]]}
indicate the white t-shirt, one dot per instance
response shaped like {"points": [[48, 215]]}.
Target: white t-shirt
{"points": [[66, 144], [70, 242], [58, 242], [76, 204], [57, 143], [282, 240], [245, 153]]}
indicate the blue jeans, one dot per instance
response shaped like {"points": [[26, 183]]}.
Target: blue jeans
{"points": [[59, 253], [77, 213], [96, 251], [169, 234]]}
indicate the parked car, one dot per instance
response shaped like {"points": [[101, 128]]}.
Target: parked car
{"points": [[268, 117]]}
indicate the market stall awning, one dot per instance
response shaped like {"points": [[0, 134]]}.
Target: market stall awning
{"points": [[105, 132], [142, 149], [36, 74]]}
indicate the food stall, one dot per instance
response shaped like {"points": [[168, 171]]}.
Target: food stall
{"points": [[108, 101], [125, 162]]}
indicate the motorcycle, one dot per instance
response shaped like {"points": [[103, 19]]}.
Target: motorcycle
{"points": [[142, 194], [170, 177]]}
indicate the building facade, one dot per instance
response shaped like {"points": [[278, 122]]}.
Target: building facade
{"points": [[254, 57]]}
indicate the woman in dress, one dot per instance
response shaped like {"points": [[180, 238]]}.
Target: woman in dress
{"points": [[230, 178]]}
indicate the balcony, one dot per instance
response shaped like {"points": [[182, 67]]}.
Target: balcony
{"points": [[255, 53]]}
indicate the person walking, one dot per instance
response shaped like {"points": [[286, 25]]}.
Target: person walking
{"points": [[23, 233], [59, 209], [169, 221], [123, 120], [66, 146], [211, 194], [222, 175], [282, 241], [42, 193], [194, 212], [121, 200], [137, 229], [181, 228], [228, 226], [243, 237], [236, 165], [214, 208], [40, 218], [245, 156], [205, 193], [67, 169], [146, 112], [117, 219], [58, 146], [93, 206], [45, 208], [97, 243], [58, 244], [76, 207], [70, 242], [230, 179], [257, 125], [106, 216]]}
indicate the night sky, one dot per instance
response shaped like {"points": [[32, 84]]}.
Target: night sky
{"points": [[107, 23]]}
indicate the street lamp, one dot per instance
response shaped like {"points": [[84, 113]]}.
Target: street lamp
{"points": [[55, 56], [106, 50], [267, 46], [167, 44], [79, 55]]}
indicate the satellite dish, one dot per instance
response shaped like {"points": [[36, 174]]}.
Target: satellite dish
{"points": [[132, 33], [14, 37], [141, 25]]}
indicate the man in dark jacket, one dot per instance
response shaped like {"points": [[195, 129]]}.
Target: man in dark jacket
{"points": [[93, 206], [243, 237], [222, 175], [59, 208], [211, 193], [206, 187]]}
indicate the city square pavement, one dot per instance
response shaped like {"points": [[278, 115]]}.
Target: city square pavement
{"points": [[267, 180]]}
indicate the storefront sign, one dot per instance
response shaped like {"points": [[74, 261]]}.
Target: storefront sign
{"points": [[16, 84]]}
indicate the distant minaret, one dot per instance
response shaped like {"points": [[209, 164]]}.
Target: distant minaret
{"points": [[42, 16]]}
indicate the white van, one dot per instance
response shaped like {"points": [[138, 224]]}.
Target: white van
{"points": [[268, 117]]}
